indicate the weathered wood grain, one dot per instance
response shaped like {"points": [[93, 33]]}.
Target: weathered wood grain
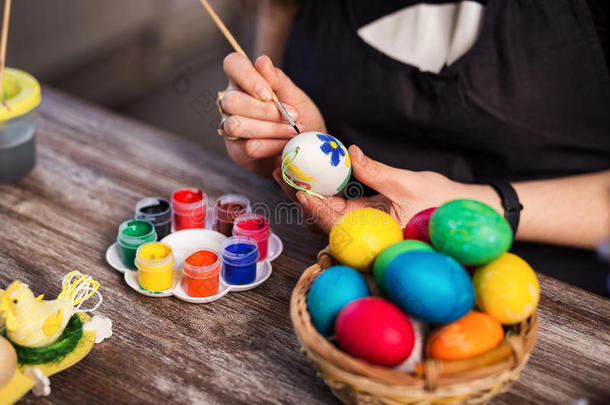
{"points": [[93, 166]]}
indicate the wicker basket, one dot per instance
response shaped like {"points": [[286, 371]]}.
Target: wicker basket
{"points": [[353, 381]]}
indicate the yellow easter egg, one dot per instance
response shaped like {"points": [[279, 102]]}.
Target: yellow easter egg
{"points": [[507, 289], [360, 235]]}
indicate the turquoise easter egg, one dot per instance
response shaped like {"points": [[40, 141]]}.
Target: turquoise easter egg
{"points": [[471, 232], [385, 257], [330, 292], [430, 286]]}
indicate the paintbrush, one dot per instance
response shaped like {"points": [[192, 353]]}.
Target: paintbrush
{"points": [[239, 50], [3, 40]]}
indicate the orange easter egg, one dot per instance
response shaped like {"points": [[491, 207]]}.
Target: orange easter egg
{"points": [[471, 335]]}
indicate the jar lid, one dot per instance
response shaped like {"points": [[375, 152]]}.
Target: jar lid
{"points": [[20, 92]]}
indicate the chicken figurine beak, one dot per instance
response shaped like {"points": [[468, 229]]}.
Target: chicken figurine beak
{"points": [[5, 307]]}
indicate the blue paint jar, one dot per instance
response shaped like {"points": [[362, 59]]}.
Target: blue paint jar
{"points": [[239, 255]]}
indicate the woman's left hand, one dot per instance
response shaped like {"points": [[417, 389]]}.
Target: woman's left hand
{"points": [[402, 193]]}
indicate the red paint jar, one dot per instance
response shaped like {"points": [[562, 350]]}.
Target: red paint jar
{"points": [[189, 205], [257, 227], [201, 270], [227, 208]]}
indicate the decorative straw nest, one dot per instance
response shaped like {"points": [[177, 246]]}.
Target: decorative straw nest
{"points": [[471, 381]]}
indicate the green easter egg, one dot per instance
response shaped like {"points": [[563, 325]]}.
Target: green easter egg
{"points": [[471, 232], [385, 257]]}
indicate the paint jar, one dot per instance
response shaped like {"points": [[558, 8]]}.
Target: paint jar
{"points": [[158, 211], [227, 208], [257, 227], [239, 255], [189, 205], [132, 234], [155, 262], [21, 97], [201, 271]]}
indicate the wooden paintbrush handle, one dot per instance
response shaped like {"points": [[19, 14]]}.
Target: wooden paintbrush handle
{"points": [[3, 41]]}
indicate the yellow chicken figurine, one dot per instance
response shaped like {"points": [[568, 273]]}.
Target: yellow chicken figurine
{"points": [[33, 322]]}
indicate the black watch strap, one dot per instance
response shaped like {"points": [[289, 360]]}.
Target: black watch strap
{"points": [[510, 201]]}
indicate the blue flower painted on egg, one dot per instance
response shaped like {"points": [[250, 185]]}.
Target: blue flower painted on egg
{"points": [[331, 147]]}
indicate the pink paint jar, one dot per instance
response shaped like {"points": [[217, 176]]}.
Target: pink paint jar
{"points": [[189, 205], [256, 227]]}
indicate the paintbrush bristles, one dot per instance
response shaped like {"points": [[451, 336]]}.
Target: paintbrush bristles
{"points": [[3, 41], [225, 31]]}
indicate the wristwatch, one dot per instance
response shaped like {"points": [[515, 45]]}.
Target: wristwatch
{"points": [[510, 201]]}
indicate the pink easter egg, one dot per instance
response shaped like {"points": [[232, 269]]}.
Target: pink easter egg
{"points": [[417, 227], [375, 330]]}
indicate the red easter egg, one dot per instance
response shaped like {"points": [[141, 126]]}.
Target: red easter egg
{"points": [[375, 330], [417, 227]]}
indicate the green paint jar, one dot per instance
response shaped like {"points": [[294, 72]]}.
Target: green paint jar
{"points": [[132, 234]]}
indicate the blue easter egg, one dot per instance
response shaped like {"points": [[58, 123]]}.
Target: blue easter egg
{"points": [[430, 286], [330, 292]]}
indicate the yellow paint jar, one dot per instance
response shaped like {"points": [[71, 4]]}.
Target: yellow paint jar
{"points": [[155, 262]]}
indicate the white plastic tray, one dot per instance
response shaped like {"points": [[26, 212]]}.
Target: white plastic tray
{"points": [[184, 241]]}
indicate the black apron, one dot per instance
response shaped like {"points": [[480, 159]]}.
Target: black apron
{"points": [[529, 100]]}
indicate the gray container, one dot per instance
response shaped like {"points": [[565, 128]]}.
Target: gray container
{"points": [[17, 147]]}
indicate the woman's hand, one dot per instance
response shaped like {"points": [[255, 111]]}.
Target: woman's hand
{"points": [[571, 211], [403, 193], [253, 118]]}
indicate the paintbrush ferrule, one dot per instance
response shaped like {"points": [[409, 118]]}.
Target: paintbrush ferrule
{"points": [[286, 115]]}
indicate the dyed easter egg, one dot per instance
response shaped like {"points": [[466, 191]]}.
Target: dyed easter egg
{"points": [[430, 286], [469, 231], [360, 235], [507, 289], [375, 330], [385, 257], [330, 292], [417, 227], [317, 162], [471, 335]]}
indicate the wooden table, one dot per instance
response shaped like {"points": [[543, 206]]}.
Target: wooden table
{"points": [[92, 168]]}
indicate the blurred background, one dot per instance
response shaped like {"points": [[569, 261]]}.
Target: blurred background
{"points": [[158, 61]]}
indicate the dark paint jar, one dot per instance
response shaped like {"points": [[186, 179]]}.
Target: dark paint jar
{"points": [[227, 208], [158, 211]]}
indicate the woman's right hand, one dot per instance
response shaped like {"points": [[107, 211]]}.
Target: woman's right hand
{"points": [[253, 117]]}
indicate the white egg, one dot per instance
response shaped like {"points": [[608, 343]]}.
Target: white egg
{"points": [[8, 359], [317, 162]]}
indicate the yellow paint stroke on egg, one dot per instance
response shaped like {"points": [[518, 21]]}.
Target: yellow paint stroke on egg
{"points": [[348, 161], [300, 174]]}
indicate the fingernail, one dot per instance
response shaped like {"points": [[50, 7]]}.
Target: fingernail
{"points": [[359, 155], [263, 93], [293, 114], [303, 199]]}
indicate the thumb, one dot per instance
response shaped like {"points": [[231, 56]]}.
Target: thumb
{"points": [[382, 178], [281, 84]]}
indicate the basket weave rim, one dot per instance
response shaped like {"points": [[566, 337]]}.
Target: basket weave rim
{"points": [[336, 364]]}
